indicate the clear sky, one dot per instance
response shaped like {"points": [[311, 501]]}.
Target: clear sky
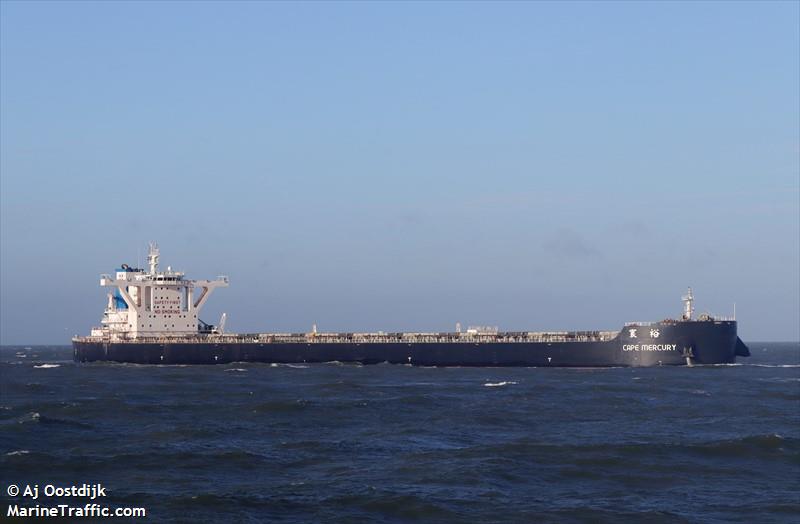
{"points": [[404, 166]]}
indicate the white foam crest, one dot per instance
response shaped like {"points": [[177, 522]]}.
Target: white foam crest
{"points": [[236, 369], [47, 366], [30, 417], [499, 384], [18, 452]]}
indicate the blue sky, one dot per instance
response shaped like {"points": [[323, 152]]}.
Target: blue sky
{"points": [[404, 166]]}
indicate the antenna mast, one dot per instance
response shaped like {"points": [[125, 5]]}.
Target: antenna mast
{"points": [[688, 307], [152, 258]]}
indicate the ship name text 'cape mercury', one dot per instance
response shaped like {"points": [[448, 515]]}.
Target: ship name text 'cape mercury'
{"points": [[152, 317]]}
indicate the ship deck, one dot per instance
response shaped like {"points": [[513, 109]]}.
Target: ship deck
{"points": [[367, 338]]}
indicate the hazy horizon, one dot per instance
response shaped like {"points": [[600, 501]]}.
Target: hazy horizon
{"points": [[404, 166]]}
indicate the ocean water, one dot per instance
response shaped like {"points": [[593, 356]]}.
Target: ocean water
{"points": [[349, 443]]}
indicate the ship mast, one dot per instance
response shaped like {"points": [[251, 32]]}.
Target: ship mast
{"points": [[688, 307], [152, 258]]}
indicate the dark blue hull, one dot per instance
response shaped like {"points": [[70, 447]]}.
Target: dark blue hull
{"points": [[668, 344]]}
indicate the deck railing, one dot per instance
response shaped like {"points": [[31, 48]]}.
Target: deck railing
{"points": [[367, 338]]}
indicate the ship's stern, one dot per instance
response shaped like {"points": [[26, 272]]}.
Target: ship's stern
{"points": [[86, 349]]}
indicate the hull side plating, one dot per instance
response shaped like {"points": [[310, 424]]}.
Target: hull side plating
{"points": [[679, 343]]}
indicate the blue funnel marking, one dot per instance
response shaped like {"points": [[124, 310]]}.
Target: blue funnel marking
{"points": [[119, 302]]}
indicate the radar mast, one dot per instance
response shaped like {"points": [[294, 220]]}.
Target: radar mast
{"points": [[152, 258], [688, 306]]}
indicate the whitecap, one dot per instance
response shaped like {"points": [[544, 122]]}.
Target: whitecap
{"points": [[296, 366], [497, 384], [235, 369], [47, 366], [30, 417], [18, 452]]}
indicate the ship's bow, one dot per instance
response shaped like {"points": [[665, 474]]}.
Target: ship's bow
{"points": [[681, 342], [712, 342]]}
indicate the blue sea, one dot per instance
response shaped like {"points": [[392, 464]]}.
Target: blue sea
{"points": [[387, 443]]}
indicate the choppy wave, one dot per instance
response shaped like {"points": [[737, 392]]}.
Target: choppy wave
{"points": [[765, 442], [30, 417], [35, 417], [739, 448], [749, 365], [342, 443], [700, 392], [47, 366], [780, 379], [280, 406]]}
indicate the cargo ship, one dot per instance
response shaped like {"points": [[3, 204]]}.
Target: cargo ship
{"points": [[152, 317]]}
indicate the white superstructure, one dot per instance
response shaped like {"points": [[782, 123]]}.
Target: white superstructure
{"points": [[153, 303]]}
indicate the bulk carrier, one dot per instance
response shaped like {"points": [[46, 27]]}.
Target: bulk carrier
{"points": [[152, 317]]}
